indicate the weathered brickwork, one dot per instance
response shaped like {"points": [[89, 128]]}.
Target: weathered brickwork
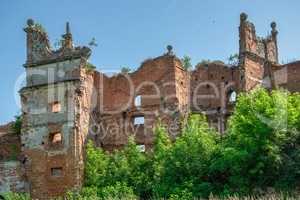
{"points": [[155, 83], [12, 177], [288, 76], [211, 87], [10, 143], [56, 109], [65, 103], [11, 170]]}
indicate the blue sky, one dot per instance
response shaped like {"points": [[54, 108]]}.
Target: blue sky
{"points": [[127, 32]]}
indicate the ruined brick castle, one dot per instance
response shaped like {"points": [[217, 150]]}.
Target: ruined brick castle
{"points": [[66, 102]]}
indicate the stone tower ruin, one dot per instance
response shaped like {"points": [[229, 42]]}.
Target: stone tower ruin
{"points": [[53, 101]]}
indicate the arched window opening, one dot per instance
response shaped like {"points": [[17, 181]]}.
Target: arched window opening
{"points": [[56, 138], [55, 107]]}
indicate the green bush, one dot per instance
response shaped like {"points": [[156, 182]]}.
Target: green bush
{"points": [[17, 125], [186, 62], [262, 133], [90, 67], [125, 70], [15, 196], [184, 165]]}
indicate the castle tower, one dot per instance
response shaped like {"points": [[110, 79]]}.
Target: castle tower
{"points": [[255, 53], [57, 90]]}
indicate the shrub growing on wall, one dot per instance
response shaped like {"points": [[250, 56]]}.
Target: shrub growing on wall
{"points": [[17, 125]]}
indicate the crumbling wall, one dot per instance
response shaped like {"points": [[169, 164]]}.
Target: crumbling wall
{"points": [[52, 169], [211, 86], [12, 177], [11, 171], [55, 108], [85, 103], [155, 83], [53, 72], [10, 144], [182, 82], [254, 71], [42, 157], [288, 76]]}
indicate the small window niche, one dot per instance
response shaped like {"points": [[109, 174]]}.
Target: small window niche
{"points": [[56, 107], [138, 101], [141, 148], [139, 120], [55, 138], [56, 172], [232, 97]]}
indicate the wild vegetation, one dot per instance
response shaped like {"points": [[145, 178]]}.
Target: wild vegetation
{"points": [[125, 70], [90, 67], [17, 125], [14, 196], [186, 62]]}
